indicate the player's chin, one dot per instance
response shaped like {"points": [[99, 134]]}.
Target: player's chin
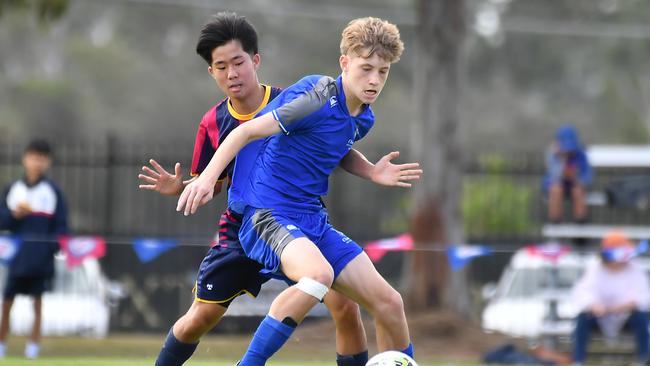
{"points": [[368, 97]]}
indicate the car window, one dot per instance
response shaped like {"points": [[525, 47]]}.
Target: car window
{"points": [[526, 282]]}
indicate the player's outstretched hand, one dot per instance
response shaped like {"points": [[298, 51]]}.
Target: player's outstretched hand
{"points": [[389, 174], [160, 180], [196, 194]]}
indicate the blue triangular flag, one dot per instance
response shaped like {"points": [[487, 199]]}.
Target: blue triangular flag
{"points": [[9, 246], [458, 256], [147, 249]]}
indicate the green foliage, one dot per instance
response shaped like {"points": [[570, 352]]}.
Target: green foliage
{"points": [[49, 107], [45, 10], [396, 221], [493, 204]]}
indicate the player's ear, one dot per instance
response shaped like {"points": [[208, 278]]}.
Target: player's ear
{"points": [[344, 61], [256, 60]]}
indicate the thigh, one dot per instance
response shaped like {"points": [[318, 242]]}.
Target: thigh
{"points": [[338, 249], [361, 282], [206, 311], [302, 258], [265, 234]]}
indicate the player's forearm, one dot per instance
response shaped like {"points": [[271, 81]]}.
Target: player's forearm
{"points": [[356, 163], [254, 129]]}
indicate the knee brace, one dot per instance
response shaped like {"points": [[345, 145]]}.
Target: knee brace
{"points": [[312, 288]]}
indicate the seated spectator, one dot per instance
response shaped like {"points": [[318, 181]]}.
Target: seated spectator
{"points": [[567, 175], [612, 295]]}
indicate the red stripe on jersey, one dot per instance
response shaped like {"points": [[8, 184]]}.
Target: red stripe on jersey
{"points": [[207, 139], [211, 124]]}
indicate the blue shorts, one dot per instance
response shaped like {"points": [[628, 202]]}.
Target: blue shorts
{"points": [[226, 272], [33, 286], [265, 233]]}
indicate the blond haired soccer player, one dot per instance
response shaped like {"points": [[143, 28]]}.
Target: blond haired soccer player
{"points": [[309, 129], [228, 43]]}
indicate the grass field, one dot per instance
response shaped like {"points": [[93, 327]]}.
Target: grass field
{"points": [[126, 362], [150, 362], [141, 350]]}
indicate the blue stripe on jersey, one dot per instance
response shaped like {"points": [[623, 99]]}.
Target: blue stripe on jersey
{"points": [[243, 165], [292, 170]]}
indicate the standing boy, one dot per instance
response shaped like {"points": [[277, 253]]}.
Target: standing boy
{"points": [[34, 209]]}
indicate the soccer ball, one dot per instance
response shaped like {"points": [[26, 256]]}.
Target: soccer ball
{"points": [[391, 358]]}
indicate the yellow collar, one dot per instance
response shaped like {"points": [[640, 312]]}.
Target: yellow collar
{"points": [[248, 117]]}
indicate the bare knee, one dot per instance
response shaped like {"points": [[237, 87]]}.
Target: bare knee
{"points": [[344, 311], [389, 301], [322, 274], [198, 320]]}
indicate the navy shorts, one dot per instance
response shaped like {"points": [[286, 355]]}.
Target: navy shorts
{"points": [[32, 286], [265, 233], [226, 272]]}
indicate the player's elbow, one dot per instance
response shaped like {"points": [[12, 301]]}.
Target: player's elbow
{"points": [[248, 132]]}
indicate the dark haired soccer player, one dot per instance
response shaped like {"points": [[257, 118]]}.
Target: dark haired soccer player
{"points": [[229, 45], [32, 207], [309, 129]]}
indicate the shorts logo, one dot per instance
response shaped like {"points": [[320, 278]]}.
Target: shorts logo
{"points": [[345, 239], [333, 101], [291, 227], [209, 286]]}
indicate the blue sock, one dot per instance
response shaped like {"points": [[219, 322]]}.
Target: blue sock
{"points": [[409, 350], [269, 337], [359, 359], [174, 352]]}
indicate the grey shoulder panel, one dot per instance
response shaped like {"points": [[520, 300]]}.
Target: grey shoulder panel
{"points": [[309, 102]]}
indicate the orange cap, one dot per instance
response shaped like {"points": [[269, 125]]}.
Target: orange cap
{"points": [[615, 239]]}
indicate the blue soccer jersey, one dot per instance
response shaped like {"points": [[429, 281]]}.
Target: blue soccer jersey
{"points": [[291, 172]]}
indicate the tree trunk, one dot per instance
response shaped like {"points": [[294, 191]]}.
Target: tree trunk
{"points": [[436, 219]]}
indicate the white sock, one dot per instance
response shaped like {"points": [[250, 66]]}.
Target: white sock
{"points": [[32, 349], [3, 350]]}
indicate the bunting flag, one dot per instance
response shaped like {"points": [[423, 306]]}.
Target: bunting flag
{"points": [[459, 256], [148, 249], [378, 248], [625, 253], [549, 251], [78, 248], [9, 246]]}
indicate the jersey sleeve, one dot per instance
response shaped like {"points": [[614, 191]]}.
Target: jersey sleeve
{"points": [[7, 221], [204, 147], [61, 213], [303, 99]]}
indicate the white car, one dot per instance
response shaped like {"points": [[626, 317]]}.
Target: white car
{"points": [[77, 305], [532, 298]]}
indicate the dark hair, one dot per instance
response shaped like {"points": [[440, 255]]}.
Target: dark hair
{"points": [[223, 28], [39, 146]]}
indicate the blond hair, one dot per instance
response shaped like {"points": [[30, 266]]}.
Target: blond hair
{"points": [[365, 36]]}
